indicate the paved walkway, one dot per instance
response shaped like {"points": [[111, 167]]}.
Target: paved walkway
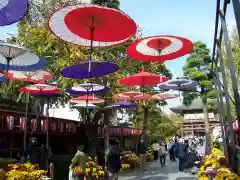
{"points": [[154, 171]]}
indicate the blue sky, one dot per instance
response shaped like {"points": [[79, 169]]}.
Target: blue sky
{"points": [[192, 19]]}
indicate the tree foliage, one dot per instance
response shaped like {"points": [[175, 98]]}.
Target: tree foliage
{"points": [[197, 68]]}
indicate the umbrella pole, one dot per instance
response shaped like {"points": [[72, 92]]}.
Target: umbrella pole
{"points": [[26, 124], [47, 134]]}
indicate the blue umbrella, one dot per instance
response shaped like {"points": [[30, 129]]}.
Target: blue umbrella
{"points": [[179, 84], [13, 57], [12, 11], [122, 104]]}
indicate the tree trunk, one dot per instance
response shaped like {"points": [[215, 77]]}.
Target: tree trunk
{"points": [[207, 130]]}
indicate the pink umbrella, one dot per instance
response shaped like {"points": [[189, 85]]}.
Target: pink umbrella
{"points": [[163, 96], [87, 99], [132, 95]]}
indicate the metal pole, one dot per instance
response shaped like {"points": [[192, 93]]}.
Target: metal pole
{"points": [[231, 66], [236, 9], [221, 116], [226, 91], [47, 133], [26, 125]]}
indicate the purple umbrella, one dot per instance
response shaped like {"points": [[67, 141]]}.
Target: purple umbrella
{"points": [[179, 84], [122, 104], [12, 11], [87, 88], [89, 69]]}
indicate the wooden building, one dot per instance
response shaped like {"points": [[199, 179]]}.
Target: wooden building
{"points": [[193, 123]]}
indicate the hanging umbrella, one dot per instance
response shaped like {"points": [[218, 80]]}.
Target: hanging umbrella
{"points": [[17, 58], [143, 79], [132, 95], [92, 25], [159, 48], [85, 105], [87, 99], [38, 76], [178, 84], [40, 89], [2, 78], [122, 104], [87, 88], [89, 69], [163, 96], [12, 11]]}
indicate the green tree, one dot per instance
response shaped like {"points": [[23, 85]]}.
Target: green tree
{"points": [[197, 68], [108, 3]]}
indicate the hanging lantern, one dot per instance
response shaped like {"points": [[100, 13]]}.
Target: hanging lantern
{"points": [[10, 122], [53, 126], [34, 124], [22, 122], [43, 125]]}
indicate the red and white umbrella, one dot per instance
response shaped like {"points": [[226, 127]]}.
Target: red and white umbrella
{"points": [[163, 96], [39, 76], [86, 99], [40, 88], [92, 25], [159, 48], [132, 95]]}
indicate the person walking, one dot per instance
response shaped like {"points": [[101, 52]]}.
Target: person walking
{"points": [[155, 147], [170, 151], [162, 154], [141, 150], [182, 154], [113, 162]]}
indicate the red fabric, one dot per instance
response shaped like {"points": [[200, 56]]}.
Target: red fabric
{"points": [[46, 77], [134, 53], [109, 24], [235, 125], [143, 79], [132, 95]]}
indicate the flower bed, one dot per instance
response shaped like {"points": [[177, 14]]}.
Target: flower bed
{"points": [[129, 160], [25, 171], [213, 167]]}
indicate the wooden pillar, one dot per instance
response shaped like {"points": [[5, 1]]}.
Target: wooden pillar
{"points": [[52, 171]]}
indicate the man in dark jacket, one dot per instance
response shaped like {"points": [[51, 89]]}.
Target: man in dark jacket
{"points": [[182, 154], [141, 150], [113, 162]]}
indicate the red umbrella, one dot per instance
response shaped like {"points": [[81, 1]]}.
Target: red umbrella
{"points": [[92, 25], [86, 98], [40, 88], [132, 95], [159, 48], [143, 79], [163, 96], [38, 76]]}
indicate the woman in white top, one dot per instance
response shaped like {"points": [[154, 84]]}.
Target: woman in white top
{"points": [[155, 147], [162, 154]]}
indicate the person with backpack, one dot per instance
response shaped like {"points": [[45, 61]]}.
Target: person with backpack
{"points": [[113, 162], [182, 154]]}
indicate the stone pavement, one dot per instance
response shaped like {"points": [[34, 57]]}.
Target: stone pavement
{"points": [[154, 171]]}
